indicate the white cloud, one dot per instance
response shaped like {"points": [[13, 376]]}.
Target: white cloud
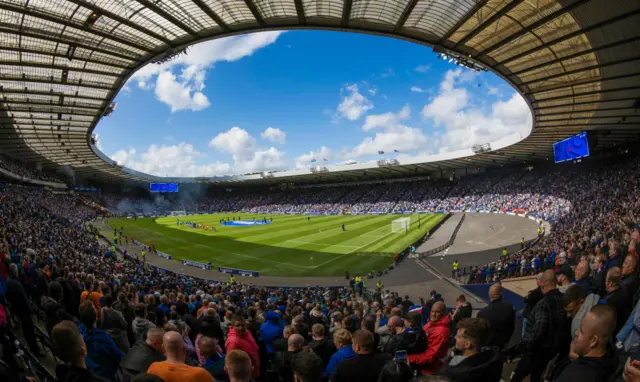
{"points": [[174, 160], [353, 104], [274, 135], [422, 68], [184, 95], [304, 160], [372, 91], [416, 89], [247, 156], [394, 135], [466, 125], [387, 121], [193, 67], [494, 91]]}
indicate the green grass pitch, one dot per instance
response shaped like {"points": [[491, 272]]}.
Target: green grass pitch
{"points": [[290, 246]]}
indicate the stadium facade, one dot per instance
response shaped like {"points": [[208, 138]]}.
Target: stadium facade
{"points": [[64, 61]]}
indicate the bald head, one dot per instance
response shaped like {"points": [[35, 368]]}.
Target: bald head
{"points": [[495, 292], [582, 269], [614, 276], [596, 329], [295, 342], [548, 281], [395, 321], [173, 345]]}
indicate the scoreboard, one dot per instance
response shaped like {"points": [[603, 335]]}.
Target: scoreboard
{"points": [[163, 187]]}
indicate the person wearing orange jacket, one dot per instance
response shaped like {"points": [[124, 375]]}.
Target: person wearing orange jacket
{"points": [[437, 331]]}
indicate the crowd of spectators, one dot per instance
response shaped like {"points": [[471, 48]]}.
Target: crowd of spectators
{"points": [[17, 168]]}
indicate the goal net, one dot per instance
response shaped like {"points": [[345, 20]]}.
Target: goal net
{"points": [[400, 225], [178, 213]]}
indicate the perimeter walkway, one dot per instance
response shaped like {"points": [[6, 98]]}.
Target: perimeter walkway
{"points": [[442, 234]]}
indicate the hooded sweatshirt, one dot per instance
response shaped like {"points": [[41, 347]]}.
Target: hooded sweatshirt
{"points": [[246, 343], [343, 353], [103, 356], [437, 332], [271, 330], [140, 328], [589, 302], [485, 366]]}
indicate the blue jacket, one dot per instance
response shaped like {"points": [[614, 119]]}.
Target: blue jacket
{"points": [[103, 356], [343, 353], [271, 330]]}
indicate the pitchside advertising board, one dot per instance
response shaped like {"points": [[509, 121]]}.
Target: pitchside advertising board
{"points": [[572, 148], [238, 272], [163, 187]]}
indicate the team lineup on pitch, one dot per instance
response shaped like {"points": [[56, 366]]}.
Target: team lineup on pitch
{"points": [[291, 245]]}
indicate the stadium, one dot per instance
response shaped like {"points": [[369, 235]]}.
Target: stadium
{"points": [[553, 211]]}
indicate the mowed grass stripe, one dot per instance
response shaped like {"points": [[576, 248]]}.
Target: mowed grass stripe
{"points": [[363, 246]]}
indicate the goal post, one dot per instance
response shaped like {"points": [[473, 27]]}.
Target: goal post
{"points": [[401, 225], [178, 213]]}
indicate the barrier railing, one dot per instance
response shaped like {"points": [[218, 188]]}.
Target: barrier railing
{"points": [[448, 243]]}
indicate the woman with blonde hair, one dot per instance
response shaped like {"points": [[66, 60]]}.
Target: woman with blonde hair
{"points": [[342, 341]]}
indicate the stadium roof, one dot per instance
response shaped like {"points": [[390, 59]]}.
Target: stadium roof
{"points": [[62, 62]]}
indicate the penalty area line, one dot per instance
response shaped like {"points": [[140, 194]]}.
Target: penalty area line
{"points": [[350, 252]]}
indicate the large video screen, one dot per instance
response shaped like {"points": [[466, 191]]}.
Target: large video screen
{"points": [[572, 148], [163, 187]]}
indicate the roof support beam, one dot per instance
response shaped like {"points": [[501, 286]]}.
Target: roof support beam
{"points": [[620, 89], [579, 70], [121, 20], [47, 81], [346, 12], [596, 102], [539, 23], [205, 8], [255, 12], [582, 82], [58, 55], [463, 20], [302, 19], [587, 111], [33, 13], [60, 67], [571, 35], [510, 5], [167, 16], [34, 33], [43, 109], [58, 121], [577, 54], [36, 102], [51, 93], [405, 15]]}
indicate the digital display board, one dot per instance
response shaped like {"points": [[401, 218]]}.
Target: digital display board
{"points": [[163, 187], [572, 148]]}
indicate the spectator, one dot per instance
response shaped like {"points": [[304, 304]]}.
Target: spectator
{"points": [[369, 323], [471, 362], [595, 362], [577, 305], [531, 299], [17, 297], [366, 365], [393, 340], [463, 310], [271, 330], [242, 339], [501, 317], [396, 371], [583, 278], [336, 322], [71, 349], [413, 338], [103, 356], [437, 332], [174, 368], [600, 275], [307, 367], [140, 324], [51, 304], [91, 295], [238, 366], [630, 279], [320, 345], [618, 297], [406, 305], [114, 324], [546, 335], [283, 359], [565, 277], [141, 356], [213, 359], [342, 341]]}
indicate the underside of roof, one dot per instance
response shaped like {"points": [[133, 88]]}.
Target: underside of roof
{"points": [[62, 62]]}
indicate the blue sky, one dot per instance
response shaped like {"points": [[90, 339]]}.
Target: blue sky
{"points": [[275, 101]]}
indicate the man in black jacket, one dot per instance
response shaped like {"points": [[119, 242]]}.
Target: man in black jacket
{"points": [[547, 333], [501, 317], [284, 359], [320, 345], [630, 279], [17, 296], [530, 301], [71, 349], [366, 365], [141, 356], [595, 360], [471, 362], [618, 297]]}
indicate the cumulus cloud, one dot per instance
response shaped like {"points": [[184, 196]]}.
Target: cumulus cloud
{"points": [[173, 160], [274, 135], [247, 156], [422, 68], [189, 83], [416, 89], [466, 125], [320, 155], [353, 104]]}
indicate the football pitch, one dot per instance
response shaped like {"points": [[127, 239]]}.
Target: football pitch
{"points": [[290, 245]]}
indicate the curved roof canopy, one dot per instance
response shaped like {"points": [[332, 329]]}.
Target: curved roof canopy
{"points": [[62, 62]]}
